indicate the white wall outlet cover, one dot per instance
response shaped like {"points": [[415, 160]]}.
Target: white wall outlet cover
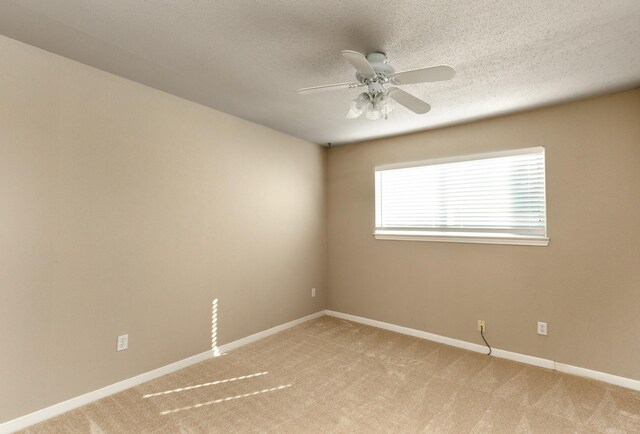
{"points": [[123, 342], [313, 292], [542, 328]]}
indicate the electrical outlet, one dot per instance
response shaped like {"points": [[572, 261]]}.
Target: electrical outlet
{"points": [[313, 292], [481, 326], [542, 328], [123, 342]]}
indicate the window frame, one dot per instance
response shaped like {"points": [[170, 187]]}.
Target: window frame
{"points": [[462, 235]]}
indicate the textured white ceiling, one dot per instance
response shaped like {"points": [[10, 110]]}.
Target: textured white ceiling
{"points": [[248, 58]]}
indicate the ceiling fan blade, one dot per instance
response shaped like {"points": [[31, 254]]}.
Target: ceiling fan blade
{"points": [[359, 62], [328, 87], [414, 104], [425, 75]]}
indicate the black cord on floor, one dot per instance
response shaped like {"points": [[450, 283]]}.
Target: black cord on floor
{"points": [[485, 341]]}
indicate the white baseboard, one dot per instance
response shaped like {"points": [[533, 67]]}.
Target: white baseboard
{"points": [[263, 334], [70, 404], [73, 403], [523, 358], [597, 375]]}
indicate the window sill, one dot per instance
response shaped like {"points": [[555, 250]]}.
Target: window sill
{"points": [[456, 237]]}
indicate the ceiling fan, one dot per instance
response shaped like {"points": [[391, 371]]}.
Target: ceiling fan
{"points": [[375, 73]]}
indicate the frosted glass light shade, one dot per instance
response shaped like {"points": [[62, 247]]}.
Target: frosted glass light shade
{"points": [[358, 106], [387, 105], [373, 107], [373, 114]]}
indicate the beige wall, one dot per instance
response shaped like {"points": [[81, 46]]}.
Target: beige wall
{"points": [[127, 210], [585, 284]]}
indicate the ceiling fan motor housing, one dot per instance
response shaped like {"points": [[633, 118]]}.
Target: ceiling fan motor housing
{"points": [[375, 87], [383, 71]]}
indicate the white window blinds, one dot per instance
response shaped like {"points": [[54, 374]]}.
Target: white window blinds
{"points": [[502, 195]]}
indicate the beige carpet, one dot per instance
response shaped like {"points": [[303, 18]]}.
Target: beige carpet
{"points": [[329, 375]]}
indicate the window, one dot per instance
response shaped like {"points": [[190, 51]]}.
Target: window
{"points": [[489, 198]]}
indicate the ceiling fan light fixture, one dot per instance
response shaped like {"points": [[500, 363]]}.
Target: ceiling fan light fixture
{"points": [[373, 107], [386, 104], [353, 111], [373, 114], [358, 106], [379, 106]]}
